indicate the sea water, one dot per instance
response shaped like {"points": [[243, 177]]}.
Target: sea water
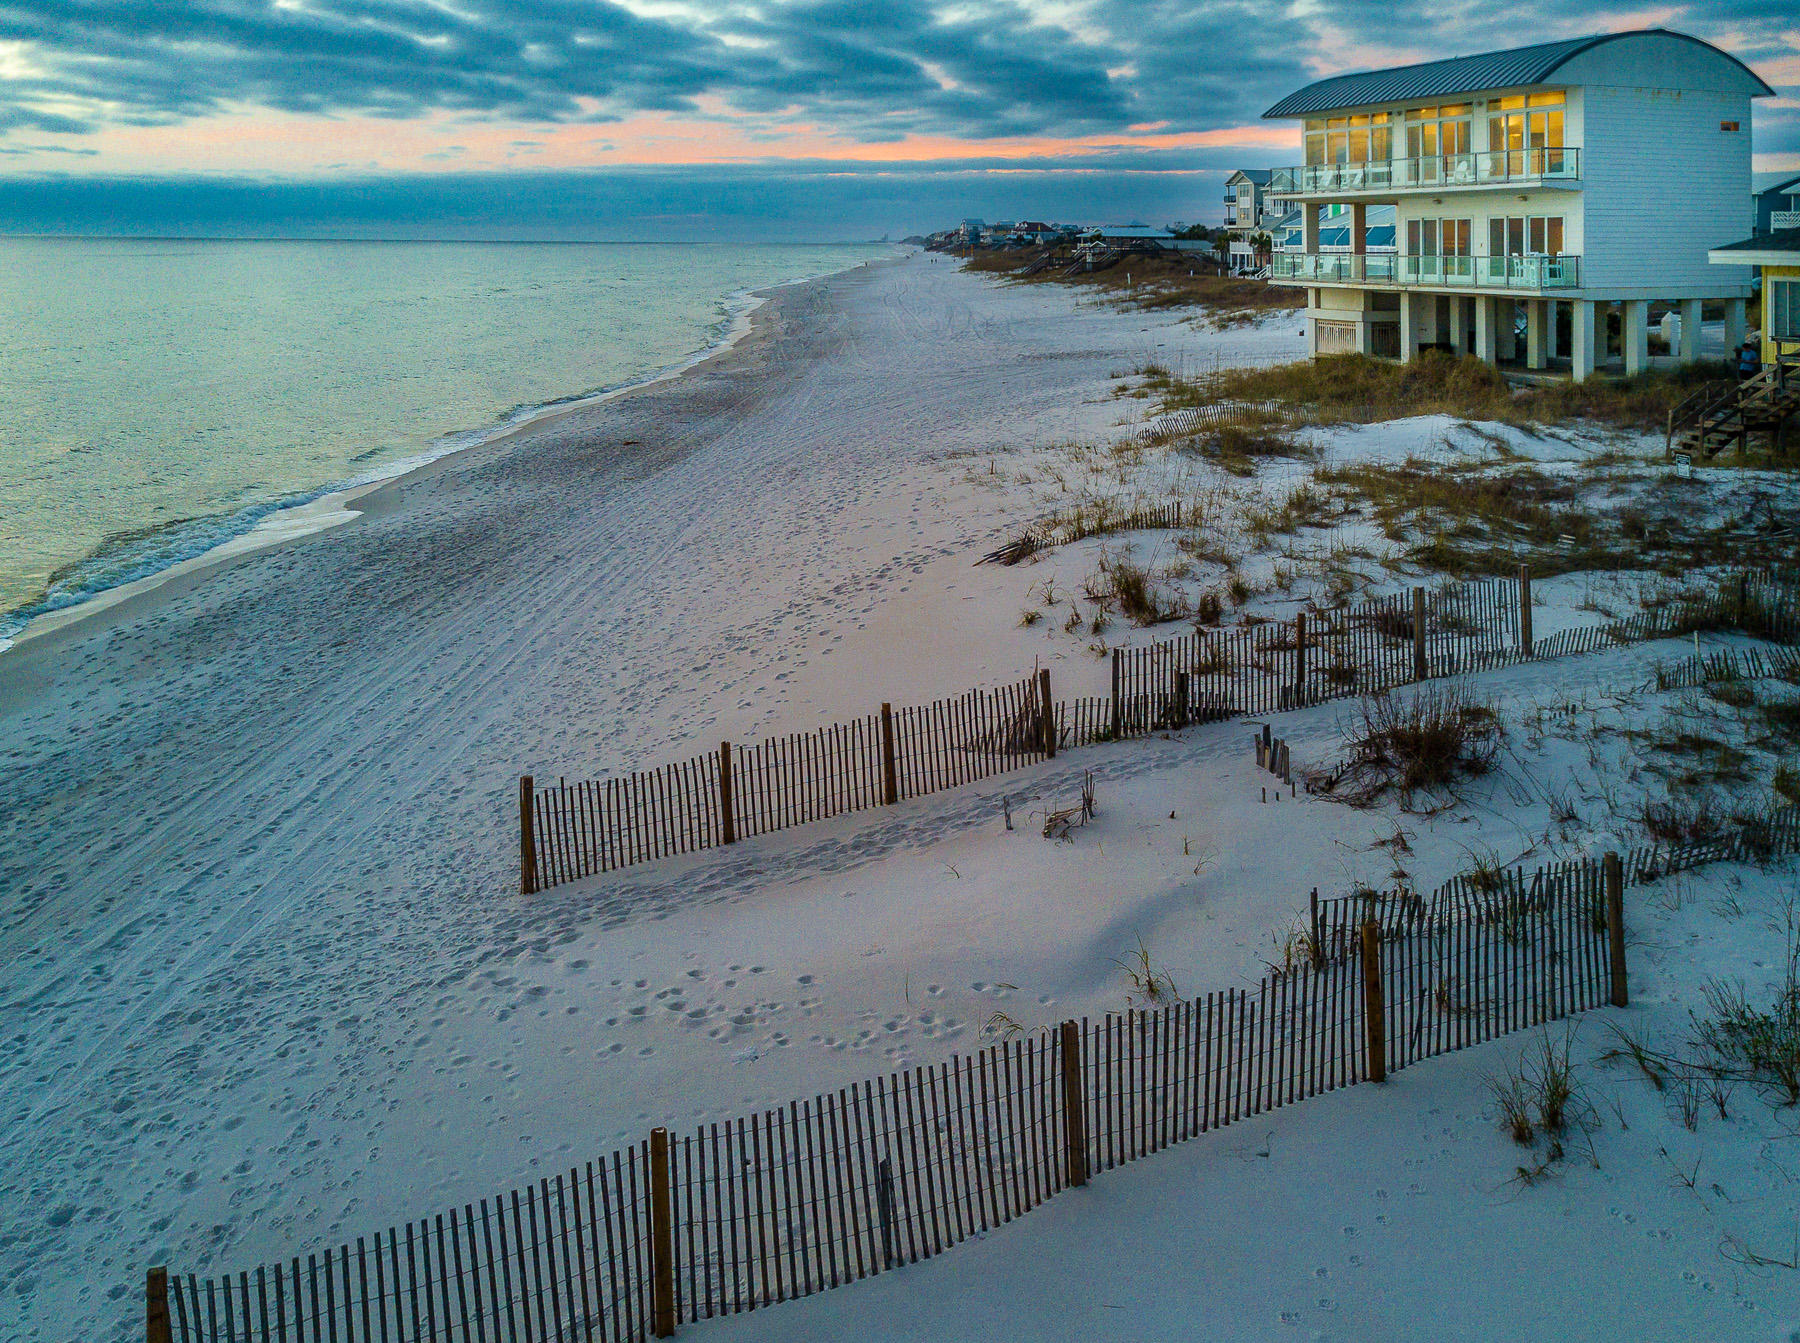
{"points": [[158, 398]]}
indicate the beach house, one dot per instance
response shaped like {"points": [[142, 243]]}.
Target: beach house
{"points": [[1250, 210], [1776, 207], [1544, 197]]}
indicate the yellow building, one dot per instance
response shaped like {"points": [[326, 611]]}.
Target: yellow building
{"points": [[1777, 256]]}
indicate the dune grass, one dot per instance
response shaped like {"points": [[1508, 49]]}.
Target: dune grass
{"points": [[1354, 388]]}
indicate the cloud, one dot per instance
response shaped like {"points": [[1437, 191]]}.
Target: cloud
{"points": [[1094, 90], [867, 72]]}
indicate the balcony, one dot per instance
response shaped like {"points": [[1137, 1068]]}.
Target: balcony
{"points": [[1443, 172], [1378, 270]]}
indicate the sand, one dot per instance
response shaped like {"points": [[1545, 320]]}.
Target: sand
{"points": [[269, 983], [261, 933]]}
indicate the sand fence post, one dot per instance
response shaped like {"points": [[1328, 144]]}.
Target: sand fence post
{"points": [[156, 1307], [727, 821], [662, 1237], [528, 873], [1074, 1106], [890, 773], [1525, 640], [1300, 659], [1118, 679], [1046, 714], [1421, 665], [1614, 872], [1318, 934], [1374, 1006]]}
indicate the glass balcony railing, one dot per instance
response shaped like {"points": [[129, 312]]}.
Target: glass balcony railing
{"points": [[1472, 272], [1490, 167]]}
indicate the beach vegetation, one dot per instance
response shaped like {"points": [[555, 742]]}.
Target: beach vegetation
{"points": [[1155, 283], [1408, 744], [1354, 388]]}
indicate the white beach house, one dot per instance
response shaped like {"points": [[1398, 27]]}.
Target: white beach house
{"points": [[1546, 183]]}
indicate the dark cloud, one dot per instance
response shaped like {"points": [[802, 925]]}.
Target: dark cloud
{"points": [[872, 71]]}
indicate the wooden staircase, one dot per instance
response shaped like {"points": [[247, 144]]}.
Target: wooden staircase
{"points": [[1722, 415]]}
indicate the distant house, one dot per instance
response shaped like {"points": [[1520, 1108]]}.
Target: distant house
{"points": [[1560, 179], [1777, 207], [1250, 210], [1334, 233]]}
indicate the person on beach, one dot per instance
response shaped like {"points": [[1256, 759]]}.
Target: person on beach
{"points": [[1749, 359]]}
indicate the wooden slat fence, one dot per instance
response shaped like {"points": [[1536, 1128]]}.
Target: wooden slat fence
{"points": [[578, 829], [759, 1210], [1097, 519]]}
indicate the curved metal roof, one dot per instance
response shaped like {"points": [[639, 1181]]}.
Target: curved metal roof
{"points": [[1521, 67]]}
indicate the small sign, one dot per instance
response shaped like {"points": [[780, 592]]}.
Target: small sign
{"points": [[1684, 466]]}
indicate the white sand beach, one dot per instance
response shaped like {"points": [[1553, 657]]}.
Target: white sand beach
{"points": [[269, 982], [257, 847]]}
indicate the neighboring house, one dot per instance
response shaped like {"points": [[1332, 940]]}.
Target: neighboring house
{"points": [[1250, 210], [1562, 178], [1777, 207], [1777, 255], [1334, 231]]}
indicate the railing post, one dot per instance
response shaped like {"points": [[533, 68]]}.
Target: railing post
{"points": [[528, 873], [727, 822], [1074, 1107], [1046, 714], [662, 1237], [156, 1307], [1300, 660], [1525, 640], [1421, 666], [1374, 1006], [890, 774], [1614, 872]]}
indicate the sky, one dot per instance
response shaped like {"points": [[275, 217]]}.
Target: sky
{"points": [[821, 120]]}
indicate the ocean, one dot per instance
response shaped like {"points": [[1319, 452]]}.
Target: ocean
{"points": [[158, 398]]}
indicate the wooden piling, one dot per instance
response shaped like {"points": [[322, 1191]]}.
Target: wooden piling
{"points": [[1374, 1008], [1614, 872], [727, 821], [890, 774], [528, 882], [1046, 714], [1525, 639], [662, 1237], [1074, 1107], [156, 1307], [1421, 665]]}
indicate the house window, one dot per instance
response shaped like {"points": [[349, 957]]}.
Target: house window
{"points": [[1525, 135], [1358, 139], [1438, 237], [1784, 309], [1535, 235], [1439, 138]]}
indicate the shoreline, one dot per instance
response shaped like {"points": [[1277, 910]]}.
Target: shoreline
{"points": [[282, 521]]}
